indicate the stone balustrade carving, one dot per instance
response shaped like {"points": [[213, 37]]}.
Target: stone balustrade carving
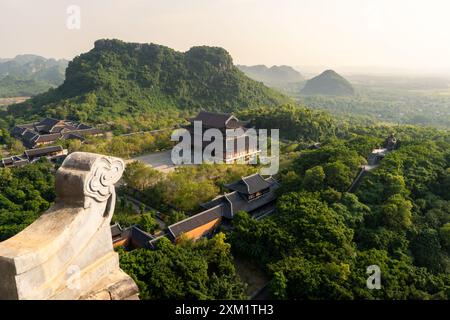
{"points": [[67, 252]]}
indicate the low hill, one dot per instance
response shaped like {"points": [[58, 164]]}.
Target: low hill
{"points": [[27, 75], [139, 84], [328, 83], [275, 76]]}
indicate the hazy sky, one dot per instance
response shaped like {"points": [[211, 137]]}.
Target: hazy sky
{"points": [[412, 34]]}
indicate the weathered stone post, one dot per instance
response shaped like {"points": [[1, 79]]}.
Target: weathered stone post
{"points": [[67, 253]]}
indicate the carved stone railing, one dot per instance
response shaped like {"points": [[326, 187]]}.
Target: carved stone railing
{"points": [[67, 253]]}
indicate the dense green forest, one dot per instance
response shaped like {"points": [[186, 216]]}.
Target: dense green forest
{"points": [[200, 270], [322, 238], [295, 123], [11, 86], [144, 84], [424, 108], [24, 194], [183, 189], [125, 146], [397, 99]]}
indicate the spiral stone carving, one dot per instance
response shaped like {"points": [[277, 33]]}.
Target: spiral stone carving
{"points": [[86, 177], [105, 172], [73, 232]]}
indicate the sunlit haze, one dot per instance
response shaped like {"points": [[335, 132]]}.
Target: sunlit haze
{"points": [[408, 35]]}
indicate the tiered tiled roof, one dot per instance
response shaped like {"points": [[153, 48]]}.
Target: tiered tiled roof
{"points": [[50, 130], [135, 237], [32, 154], [229, 204], [226, 206], [236, 201], [14, 161], [43, 151], [195, 221], [249, 185]]}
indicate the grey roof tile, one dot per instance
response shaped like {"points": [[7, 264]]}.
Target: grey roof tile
{"points": [[195, 221]]}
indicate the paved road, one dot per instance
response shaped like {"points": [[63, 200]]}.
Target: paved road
{"points": [[152, 131], [362, 173], [158, 160]]}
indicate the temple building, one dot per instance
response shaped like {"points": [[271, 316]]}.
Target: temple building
{"points": [[253, 194], [197, 226], [52, 153], [130, 238], [390, 143], [224, 122], [49, 131]]}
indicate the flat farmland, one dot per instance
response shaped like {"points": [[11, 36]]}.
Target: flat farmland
{"points": [[12, 100]]}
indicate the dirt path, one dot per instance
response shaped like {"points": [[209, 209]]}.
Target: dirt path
{"points": [[12, 100]]}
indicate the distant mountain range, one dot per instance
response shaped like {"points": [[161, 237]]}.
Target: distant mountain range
{"points": [[328, 83], [275, 76], [293, 83], [142, 85], [138, 82], [28, 75]]}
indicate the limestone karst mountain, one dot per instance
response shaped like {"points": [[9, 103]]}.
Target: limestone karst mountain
{"points": [[328, 83], [275, 76], [126, 80]]}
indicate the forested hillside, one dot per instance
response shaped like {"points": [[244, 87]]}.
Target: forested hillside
{"points": [[424, 107], [140, 84], [194, 271], [295, 123], [29, 75], [322, 239], [24, 194]]}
